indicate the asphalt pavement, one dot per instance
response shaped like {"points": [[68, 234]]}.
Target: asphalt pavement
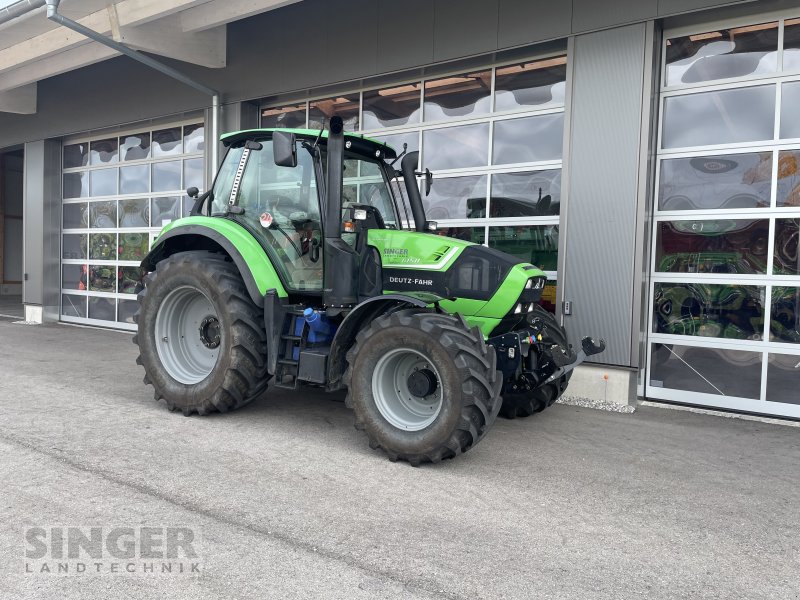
{"points": [[285, 499]]}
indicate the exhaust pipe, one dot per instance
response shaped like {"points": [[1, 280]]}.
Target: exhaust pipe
{"points": [[333, 208], [409, 166]]}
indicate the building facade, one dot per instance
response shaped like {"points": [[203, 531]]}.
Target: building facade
{"points": [[644, 154]]}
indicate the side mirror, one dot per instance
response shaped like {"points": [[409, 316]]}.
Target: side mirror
{"points": [[284, 147], [192, 192]]}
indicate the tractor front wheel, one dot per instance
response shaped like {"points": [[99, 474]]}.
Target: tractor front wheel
{"points": [[524, 405], [201, 338], [423, 386]]}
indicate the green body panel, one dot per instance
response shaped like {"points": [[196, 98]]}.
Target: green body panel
{"points": [[248, 248]]}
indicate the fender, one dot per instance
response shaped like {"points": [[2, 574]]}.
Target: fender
{"points": [[358, 319], [215, 234]]}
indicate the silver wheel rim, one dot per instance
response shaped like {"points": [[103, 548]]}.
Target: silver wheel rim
{"points": [[188, 335], [394, 400]]}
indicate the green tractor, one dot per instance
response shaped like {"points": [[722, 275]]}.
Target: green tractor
{"points": [[302, 266]]}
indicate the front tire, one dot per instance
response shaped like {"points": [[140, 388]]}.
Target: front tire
{"points": [[525, 405], [201, 338], [423, 386]]}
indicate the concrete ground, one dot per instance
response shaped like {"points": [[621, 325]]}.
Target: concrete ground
{"points": [[286, 500], [11, 306]]}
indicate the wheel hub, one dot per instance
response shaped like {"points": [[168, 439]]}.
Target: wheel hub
{"points": [[422, 383], [210, 332]]}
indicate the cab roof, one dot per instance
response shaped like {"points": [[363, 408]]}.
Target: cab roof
{"points": [[360, 144]]}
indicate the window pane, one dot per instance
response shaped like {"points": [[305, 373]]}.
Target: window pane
{"points": [[103, 215], [456, 147], [722, 54], [167, 142], [344, 106], [73, 306], [457, 198], [73, 277], [76, 216], [458, 96], [76, 185], [536, 244], [785, 320], [126, 309], [76, 155], [706, 370], [135, 146], [291, 117], [712, 246], [103, 182], [193, 173], [534, 84], [392, 107], [791, 45], [716, 182], [167, 176], [102, 308], [790, 100], [788, 179], [102, 278], [131, 280], [783, 373], [397, 140], [724, 117], [104, 151], [476, 235], [134, 180], [134, 213], [133, 246], [786, 259], [548, 299], [529, 194], [165, 210], [528, 140], [74, 246], [709, 310], [103, 246], [194, 138]]}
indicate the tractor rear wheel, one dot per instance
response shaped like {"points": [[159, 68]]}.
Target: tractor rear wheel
{"points": [[524, 405], [201, 338], [423, 386]]}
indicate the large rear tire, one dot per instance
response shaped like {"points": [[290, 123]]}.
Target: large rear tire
{"points": [[423, 386], [201, 338]]}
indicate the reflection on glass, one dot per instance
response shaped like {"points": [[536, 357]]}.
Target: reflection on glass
{"points": [[104, 151], [783, 373], [102, 309], [785, 317], [194, 138], [73, 277], [456, 147], [188, 204], [193, 173], [134, 180], [534, 84], [74, 246], [397, 140], [706, 370], [165, 210], [536, 244], [791, 45], [133, 246], [548, 299], [458, 96], [722, 54], [790, 100], [73, 306], [135, 146], [475, 235], [786, 259], [103, 215], [716, 182], [102, 278], [528, 140], [134, 213], [720, 246], [344, 106], [167, 142], [131, 280], [392, 107], [527, 194], [76, 185], [744, 114], [126, 309], [167, 176], [103, 246], [76, 216], [709, 310], [290, 117], [457, 198], [788, 179], [76, 155], [103, 182]]}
